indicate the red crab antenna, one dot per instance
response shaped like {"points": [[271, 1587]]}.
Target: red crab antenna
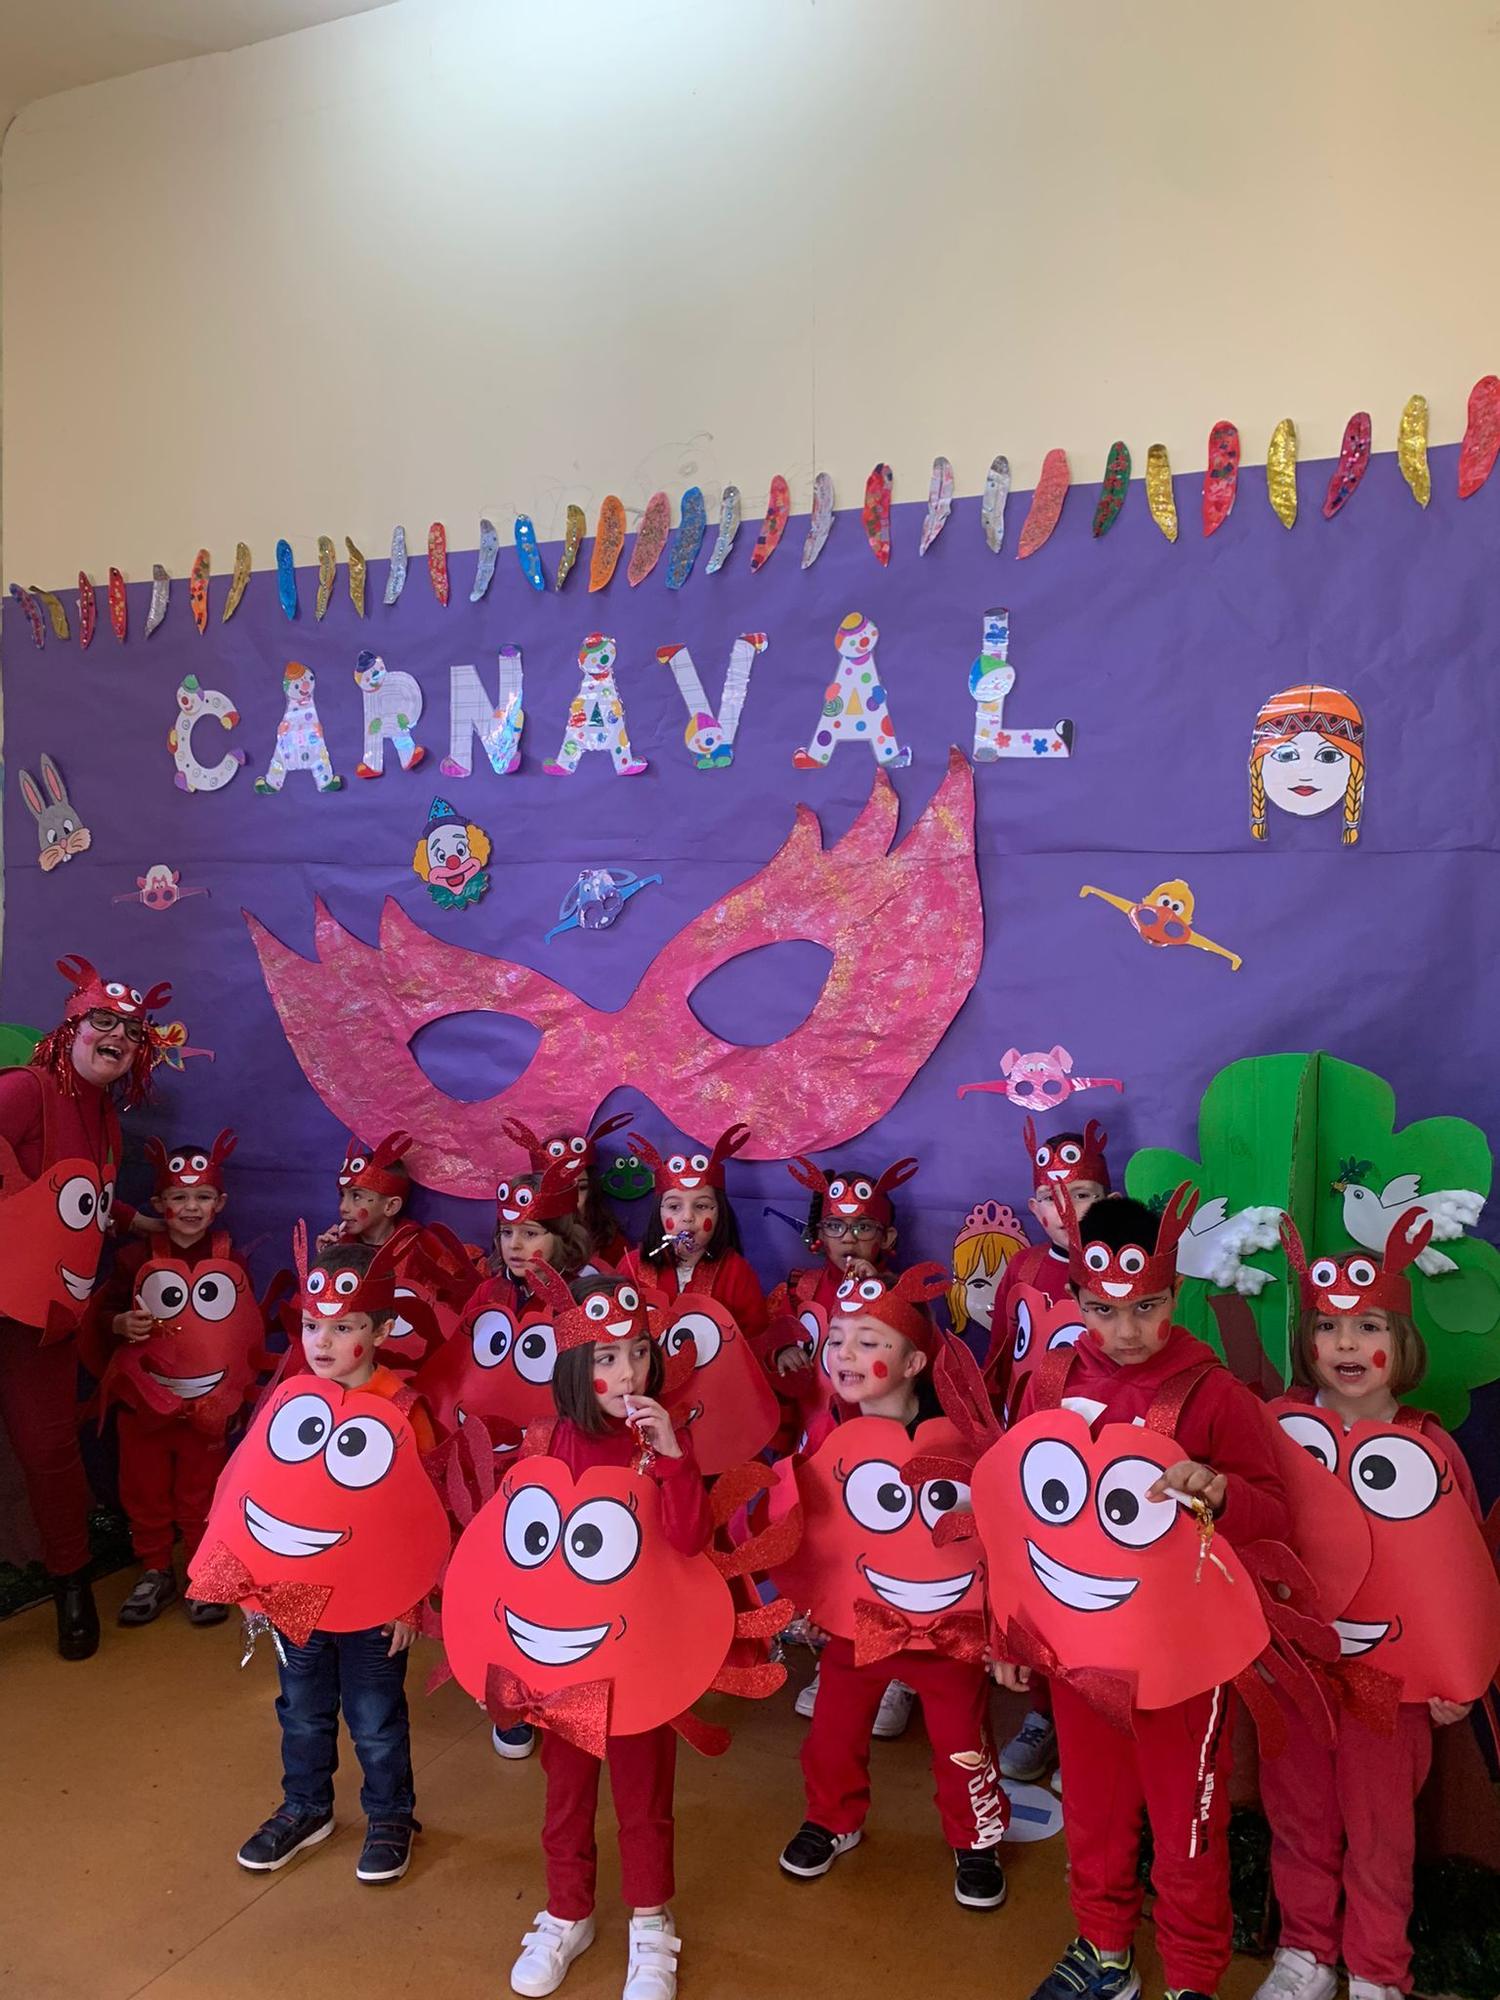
{"points": [[805, 1174], [1402, 1248]]}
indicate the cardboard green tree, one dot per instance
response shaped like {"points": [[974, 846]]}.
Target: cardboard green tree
{"points": [[16, 1044], [1318, 1137]]}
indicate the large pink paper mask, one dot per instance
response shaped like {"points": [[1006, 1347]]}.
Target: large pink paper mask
{"points": [[904, 926]]}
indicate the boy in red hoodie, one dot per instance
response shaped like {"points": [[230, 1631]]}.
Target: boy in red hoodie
{"points": [[1173, 1762]]}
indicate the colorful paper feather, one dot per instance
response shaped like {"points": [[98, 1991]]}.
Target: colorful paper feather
{"points": [[778, 513], [1222, 479], [820, 526], [1354, 459], [119, 606], [1114, 489], [1481, 445], [33, 612], [729, 527], [1045, 511], [437, 561], [609, 541], [528, 555], [88, 613], [52, 604], [161, 590], [575, 528], [876, 513], [358, 569], [992, 506], [650, 539], [328, 576], [286, 578], [1160, 496], [489, 555], [1411, 449], [395, 581], [237, 582], [692, 526], [1281, 472], [939, 504]]}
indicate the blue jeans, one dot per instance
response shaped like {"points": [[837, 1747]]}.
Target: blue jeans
{"points": [[351, 1669]]}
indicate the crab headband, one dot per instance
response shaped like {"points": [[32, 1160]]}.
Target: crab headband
{"points": [[1359, 1282], [1132, 1271], [563, 1145], [372, 1171], [187, 1167], [851, 1197], [613, 1312], [899, 1303], [90, 991], [555, 1194], [1057, 1162], [686, 1173], [335, 1290]]}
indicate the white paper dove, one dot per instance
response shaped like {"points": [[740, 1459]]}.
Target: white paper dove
{"points": [[1216, 1241], [1369, 1217]]}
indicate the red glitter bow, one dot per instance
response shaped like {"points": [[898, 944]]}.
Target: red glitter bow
{"points": [[879, 1631], [580, 1715], [293, 1608]]}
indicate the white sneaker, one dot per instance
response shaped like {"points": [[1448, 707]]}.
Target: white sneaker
{"points": [[1056, 1781], [894, 1712], [1297, 1975], [513, 1743], [807, 1699], [547, 1950], [1370, 1989], [652, 1971], [1031, 1752]]}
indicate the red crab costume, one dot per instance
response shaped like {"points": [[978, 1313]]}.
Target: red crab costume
{"points": [[1041, 1267], [611, 1247], [727, 1405], [729, 1278], [60, 1153], [429, 1255], [1424, 1621]]}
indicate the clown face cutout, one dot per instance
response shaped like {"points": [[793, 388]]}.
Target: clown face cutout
{"points": [[727, 1404], [1042, 1324], [1428, 1608], [1109, 1580], [52, 1229], [868, 1537], [202, 1357], [568, 1585], [325, 1497], [497, 1363]]}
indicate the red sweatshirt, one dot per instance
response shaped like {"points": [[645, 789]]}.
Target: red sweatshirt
{"points": [[685, 1516], [729, 1279], [1042, 1267], [1222, 1425]]}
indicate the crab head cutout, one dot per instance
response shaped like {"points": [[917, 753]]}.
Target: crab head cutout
{"points": [[332, 1290], [1428, 1608], [853, 1197], [1057, 1162], [899, 1303], [608, 1310], [371, 1171], [727, 1404], [1042, 1324], [1358, 1282], [555, 1195], [1133, 1271], [205, 1350], [580, 1146], [686, 1173], [188, 1168], [324, 1516]]}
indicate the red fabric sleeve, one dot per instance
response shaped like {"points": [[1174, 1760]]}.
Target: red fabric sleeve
{"points": [[736, 1286], [1224, 1426], [21, 1117], [685, 1515]]}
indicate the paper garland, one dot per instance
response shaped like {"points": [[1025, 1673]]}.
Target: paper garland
{"points": [[939, 504], [193, 703], [1221, 480], [596, 719], [729, 527], [528, 555], [1281, 472], [992, 506], [60, 831], [1411, 449], [609, 540], [1160, 497], [161, 588], [395, 581], [392, 708], [820, 523], [237, 582], [286, 578], [1113, 491], [437, 562], [691, 529], [1354, 459], [710, 737], [650, 539], [1046, 506], [489, 555], [855, 709], [1481, 445], [876, 514], [575, 527], [1164, 916], [773, 527]]}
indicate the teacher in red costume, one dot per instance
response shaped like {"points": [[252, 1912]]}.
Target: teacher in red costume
{"points": [[60, 1155]]}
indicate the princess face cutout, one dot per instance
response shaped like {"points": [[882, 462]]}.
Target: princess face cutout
{"points": [[1306, 775]]}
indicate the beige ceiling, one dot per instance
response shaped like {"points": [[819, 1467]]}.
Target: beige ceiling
{"points": [[52, 45]]}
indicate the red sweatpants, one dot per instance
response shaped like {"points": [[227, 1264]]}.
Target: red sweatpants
{"points": [[167, 1478], [1175, 1768], [642, 1772], [39, 1408], [955, 1701], [1343, 1825]]}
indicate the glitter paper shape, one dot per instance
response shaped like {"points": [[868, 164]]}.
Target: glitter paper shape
{"points": [[891, 994], [119, 606], [328, 572], [194, 702], [528, 555], [692, 526], [1046, 506], [992, 506], [496, 724], [1221, 480], [1114, 489], [392, 708], [650, 539], [820, 524], [730, 507], [939, 504], [88, 612], [237, 582], [395, 581], [1481, 443], [1411, 449], [1354, 460], [1164, 916], [358, 570], [286, 578], [609, 541], [1281, 472], [33, 612], [1160, 497], [876, 513], [575, 527], [855, 707], [52, 604], [489, 555], [161, 588], [991, 678], [437, 561], [710, 737], [198, 578], [778, 513]]}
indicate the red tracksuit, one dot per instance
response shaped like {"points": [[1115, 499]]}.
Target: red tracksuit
{"points": [[1343, 1827], [641, 1768], [729, 1279], [1175, 1763], [955, 1696]]}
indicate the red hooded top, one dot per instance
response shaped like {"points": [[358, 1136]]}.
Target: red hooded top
{"points": [[729, 1279]]}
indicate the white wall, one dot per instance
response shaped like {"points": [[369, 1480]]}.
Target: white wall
{"points": [[464, 256]]}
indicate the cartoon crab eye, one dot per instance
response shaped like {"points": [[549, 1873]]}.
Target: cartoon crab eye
{"points": [[1125, 1513], [358, 1164], [346, 1283], [199, 1163], [1324, 1273], [77, 1199], [556, 1148], [1022, 1344], [1132, 1260], [1054, 1481], [213, 1298], [678, 1164], [810, 1332], [871, 1289], [939, 1497], [1360, 1272], [490, 1338], [878, 1497], [1070, 1155], [847, 1289], [628, 1299], [597, 1306], [360, 1452], [1066, 1336], [699, 1163], [579, 1146], [862, 1190], [317, 1281], [299, 1428], [523, 1197], [1314, 1437], [1096, 1256], [163, 1294], [177, 1162], [1044, 1156], [536, 1354], [1395, 1477], [698, 1328], [836, 1190], [533, 1527], [106, 1203], [601, 1541], [115, 990]]}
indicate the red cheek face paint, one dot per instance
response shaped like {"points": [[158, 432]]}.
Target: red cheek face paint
{"points": [[879, 1370], [359, 1352], [600, 1388], [1378, 1357]]}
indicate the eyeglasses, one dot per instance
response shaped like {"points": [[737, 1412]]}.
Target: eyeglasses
{"points": [[107, 1023], [862, 1232]]}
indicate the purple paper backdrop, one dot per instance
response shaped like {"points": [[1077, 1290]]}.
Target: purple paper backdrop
{"points": [[1161, 655]]}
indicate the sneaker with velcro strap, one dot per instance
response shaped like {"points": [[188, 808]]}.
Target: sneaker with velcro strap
{"points": [[386, 1854], [1084, 1973], [978, 1878], [155, 1589], [285, 1833]]}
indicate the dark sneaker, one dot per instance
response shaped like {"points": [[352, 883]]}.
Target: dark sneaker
{"points": [[979, 1880], [284, 1834], [77, 1615], [386, 1854], [200, 1613], [1081, 1974], [150, 1598], [812, 1850], [1192, 1993]]}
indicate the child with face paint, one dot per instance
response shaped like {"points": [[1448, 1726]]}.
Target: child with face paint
{"points": [[1132, 1364], [886, 1342], [374, 1188], [1071, 1160], [607, 1244], [348, 1309], [693, 1242], [605, 1389], [1342, 1819]]}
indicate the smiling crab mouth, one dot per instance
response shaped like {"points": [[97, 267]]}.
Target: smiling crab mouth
{"points": [[1344, 1301], [1075, 1588], [286, 1538], [79, 1287], [1356, 1637], [188, 1387], [1116, 1291], [917, 1596], [552, 1645]]}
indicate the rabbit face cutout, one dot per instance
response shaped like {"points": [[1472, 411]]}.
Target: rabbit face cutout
{"points": [[59, 827]]}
